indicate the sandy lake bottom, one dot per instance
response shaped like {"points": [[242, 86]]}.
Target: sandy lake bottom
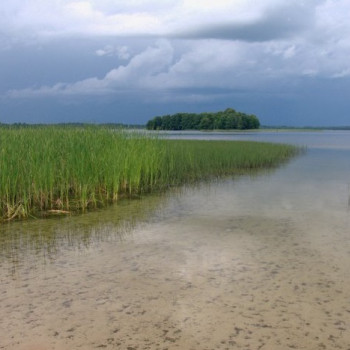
{"points": [[253, 263]]}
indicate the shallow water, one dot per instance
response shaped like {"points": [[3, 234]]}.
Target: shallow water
{"points": [[257, 262]]}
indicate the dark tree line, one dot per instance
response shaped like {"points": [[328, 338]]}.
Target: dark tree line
{"points": [[228, 119], [69, 125]]}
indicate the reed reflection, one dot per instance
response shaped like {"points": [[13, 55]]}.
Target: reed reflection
{"points": [[40, 241]]}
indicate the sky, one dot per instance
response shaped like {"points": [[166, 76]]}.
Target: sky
{"points": [[117, 61]]}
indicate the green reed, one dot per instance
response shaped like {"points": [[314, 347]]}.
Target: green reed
{"points": [[62, 169]]}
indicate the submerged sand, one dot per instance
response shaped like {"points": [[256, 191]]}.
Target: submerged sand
{"points": [[249, 263], [193, 281]]}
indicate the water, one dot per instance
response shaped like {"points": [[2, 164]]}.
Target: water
{"points": [[252, 262]]}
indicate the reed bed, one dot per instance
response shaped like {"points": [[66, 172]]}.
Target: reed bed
{"points": [[64, 169]]}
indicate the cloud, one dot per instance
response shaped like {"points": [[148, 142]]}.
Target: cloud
{"points": [[219, 66], [162, 70], [274, 22], [40, 20], [121, 52], [220, 19], [229, 46], [135, 75]]}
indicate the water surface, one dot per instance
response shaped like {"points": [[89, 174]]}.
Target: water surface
{"points": [[251, 262]]}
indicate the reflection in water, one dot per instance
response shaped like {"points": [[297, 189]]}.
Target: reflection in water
{"points": [[251, 263], [43, 240]]}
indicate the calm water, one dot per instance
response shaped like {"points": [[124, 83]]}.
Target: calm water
{"points": [[253, 262]]}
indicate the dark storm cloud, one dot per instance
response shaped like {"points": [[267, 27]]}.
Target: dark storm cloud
{"points": [[275, 23], [90, 60]]}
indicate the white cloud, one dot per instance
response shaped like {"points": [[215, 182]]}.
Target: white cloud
{"points": [[289, 52], [42, 20], [213, 65], [315, 42], [135, 75], [122, 52], [136, 17], [342, 74]]}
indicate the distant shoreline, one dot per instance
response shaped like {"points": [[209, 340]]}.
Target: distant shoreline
{"points": [[141, 126], [301, 128]]}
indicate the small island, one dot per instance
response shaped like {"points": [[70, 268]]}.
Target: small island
{"points": [[223, 120]]}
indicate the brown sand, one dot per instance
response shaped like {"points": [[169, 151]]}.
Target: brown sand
{"points": [[191, 282]]}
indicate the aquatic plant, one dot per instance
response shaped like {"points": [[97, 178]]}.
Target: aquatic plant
{"points": [[52, 169]]}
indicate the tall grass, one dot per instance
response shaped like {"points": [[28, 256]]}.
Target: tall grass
{"points": [[60, 169]]}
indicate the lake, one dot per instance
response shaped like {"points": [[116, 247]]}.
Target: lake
{"points": [[244, 262]]}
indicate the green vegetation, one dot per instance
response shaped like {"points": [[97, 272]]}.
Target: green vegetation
{"points": [[58, 169], [225, 120], [73, 125]]}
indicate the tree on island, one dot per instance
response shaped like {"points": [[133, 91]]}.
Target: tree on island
{"points": [[224, 120]]}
